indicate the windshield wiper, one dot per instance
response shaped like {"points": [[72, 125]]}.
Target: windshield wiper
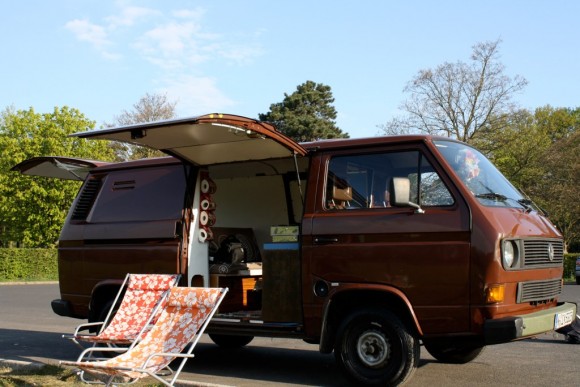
{"points": [[492, 196], [526, 203]]}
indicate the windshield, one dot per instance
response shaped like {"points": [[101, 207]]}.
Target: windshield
{"points": [[482, 178]]}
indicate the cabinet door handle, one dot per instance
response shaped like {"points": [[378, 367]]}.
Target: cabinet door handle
{"points": [[325, 240]]}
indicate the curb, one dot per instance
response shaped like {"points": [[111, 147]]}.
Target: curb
{"points": [[29, 283]]}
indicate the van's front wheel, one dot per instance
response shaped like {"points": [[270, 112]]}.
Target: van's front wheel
{"points": [[454, 352], [374, 347]]}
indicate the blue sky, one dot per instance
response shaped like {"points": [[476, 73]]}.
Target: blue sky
{"points": [[240, 56]]}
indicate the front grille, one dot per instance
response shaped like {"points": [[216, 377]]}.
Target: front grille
{"points": [[540, 253], [532, 291]]}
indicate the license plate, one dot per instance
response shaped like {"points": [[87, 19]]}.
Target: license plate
{"points": [[563, 319]]}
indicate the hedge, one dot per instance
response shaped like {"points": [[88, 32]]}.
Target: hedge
{"points": [[21, 264]]}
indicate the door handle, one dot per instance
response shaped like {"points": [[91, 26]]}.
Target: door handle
{"points": [[325, 240]]}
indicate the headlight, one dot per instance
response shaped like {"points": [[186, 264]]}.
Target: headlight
{"points": [[510, 254]]}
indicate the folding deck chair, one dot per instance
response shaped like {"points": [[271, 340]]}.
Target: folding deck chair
{"points": [[183, 320], [144, 298]]}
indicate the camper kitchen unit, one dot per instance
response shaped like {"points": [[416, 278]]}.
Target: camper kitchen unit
{"points": [[365, 247]]}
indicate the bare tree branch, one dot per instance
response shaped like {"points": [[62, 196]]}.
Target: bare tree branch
{"points": [[459, 99]]}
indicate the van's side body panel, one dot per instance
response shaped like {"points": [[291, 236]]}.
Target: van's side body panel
{"points": [[127, 218], [392, 247]]}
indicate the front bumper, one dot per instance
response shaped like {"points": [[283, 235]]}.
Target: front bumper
{"points": [[517, 327]]}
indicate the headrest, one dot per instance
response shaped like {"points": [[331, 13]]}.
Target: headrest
{"points": [[342, 194], [152, 282]]}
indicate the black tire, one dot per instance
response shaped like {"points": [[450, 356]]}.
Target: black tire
{"points": [[577, 280], [374, 347], [453, 352], [102, 314], [230, 341]]}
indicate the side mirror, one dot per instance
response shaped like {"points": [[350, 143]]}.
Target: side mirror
{"points": [[400, 191], [401, 194]]}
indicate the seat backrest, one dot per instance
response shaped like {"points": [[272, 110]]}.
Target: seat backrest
{"points": [[186, 315], [342, 194], [341, 197], [144, 293]]}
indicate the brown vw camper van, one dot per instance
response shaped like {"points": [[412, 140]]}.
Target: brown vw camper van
{"points": [[365, 247]]}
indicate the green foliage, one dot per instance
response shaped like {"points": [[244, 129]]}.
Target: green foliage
{"points": [[517, 148], [538, 152], [27, 375], [33, 209], [307, 114], [28, 264], [570, 266]]}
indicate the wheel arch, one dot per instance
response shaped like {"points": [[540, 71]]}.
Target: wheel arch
{"points": [[352, 298], [103, 292]]}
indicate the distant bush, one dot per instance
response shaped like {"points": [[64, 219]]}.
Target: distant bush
{"points": [[570, 265], [21, 264]]}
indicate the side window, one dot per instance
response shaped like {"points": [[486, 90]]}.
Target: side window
{"points": [[363, 181], [148, 194]]}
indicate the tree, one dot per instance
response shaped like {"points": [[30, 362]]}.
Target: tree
{"points": [[538, 152], [516, 149], [558, 190], [459, 99], [151, 107], [307, 114], [33, 209]]}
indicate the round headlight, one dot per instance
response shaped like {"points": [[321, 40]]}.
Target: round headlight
{"points": [[509, 254]]}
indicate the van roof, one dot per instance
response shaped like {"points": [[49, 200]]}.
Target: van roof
{"points": [[341, 143]]}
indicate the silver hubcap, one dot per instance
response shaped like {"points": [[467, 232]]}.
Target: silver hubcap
{"points": [[373, 349]]}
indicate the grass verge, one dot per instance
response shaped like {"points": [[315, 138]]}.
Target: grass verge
{"points": [[49, 375]]}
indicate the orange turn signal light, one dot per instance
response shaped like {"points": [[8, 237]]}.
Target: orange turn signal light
{"points": [[495, 293]]}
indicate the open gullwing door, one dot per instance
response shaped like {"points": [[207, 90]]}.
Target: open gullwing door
{"points": [[206, 140], [66, 168]]}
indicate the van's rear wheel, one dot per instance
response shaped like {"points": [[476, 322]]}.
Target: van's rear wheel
{"points": [[230, 341], [374, 347], [453, 351]]}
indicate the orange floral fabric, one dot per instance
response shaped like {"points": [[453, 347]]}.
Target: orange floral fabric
{"points": [[142, 295], [185, 313]]}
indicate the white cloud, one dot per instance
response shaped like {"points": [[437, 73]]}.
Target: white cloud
{"points": [[195, 95], [94, 34], [86, 31], [170, 39], [129, 15], [177, 40], [175, 43], [241, 54], [195, 14], [171, 46]]}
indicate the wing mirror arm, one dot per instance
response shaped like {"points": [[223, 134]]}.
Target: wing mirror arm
{"points": [[401, 194]]}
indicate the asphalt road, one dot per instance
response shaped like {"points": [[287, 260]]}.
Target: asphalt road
{"points": [[29, 331]]}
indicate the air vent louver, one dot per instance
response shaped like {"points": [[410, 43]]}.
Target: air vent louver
{"points": [[86, 199]]}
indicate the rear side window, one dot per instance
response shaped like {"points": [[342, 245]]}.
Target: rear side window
{"points": [[146, 194], [363, 181]]}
